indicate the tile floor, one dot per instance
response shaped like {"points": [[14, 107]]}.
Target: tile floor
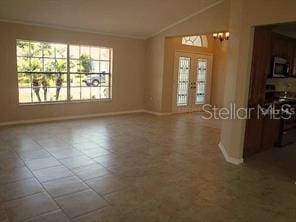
{"points": [[137, 168]]}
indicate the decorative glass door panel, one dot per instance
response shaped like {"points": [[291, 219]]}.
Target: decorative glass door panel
{"points": [[183, 81], [201, 78], [192, 81]]}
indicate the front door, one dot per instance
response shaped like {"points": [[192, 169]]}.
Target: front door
{"points": [[192, 85]]}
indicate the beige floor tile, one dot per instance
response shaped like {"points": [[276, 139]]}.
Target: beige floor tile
{"points": [[4, 146], [19, 189], [85, 145], [106, 214], [81, 203], [15, 174], [76, 162], [64, 186], [90, 171], [126, 201], [65, 153], [146, 213], [123, 162], [204, 212], [52, 173], [55, 216], [107, 184], [37, 164], [3, 215], [5, 154], [52, 142], [36, 154], [58, 147], [158, 169], [95, 152], [110, 160], [26, 147], [73, 139], [28, 207], [21, 140], [10, 163]]}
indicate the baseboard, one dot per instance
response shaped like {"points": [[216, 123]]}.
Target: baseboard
{"points": [[229, 159], [157, 113], [53, 119]]}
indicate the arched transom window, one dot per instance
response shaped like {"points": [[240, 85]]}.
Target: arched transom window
{"points": [[196, 40]]}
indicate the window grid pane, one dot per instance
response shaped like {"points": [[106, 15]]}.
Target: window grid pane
{"points": [[47, 74], [90, 69]]}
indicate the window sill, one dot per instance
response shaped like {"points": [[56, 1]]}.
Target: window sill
{"points": [[66, 102]]}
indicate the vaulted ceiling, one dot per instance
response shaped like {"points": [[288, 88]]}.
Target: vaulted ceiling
{"points": [[135, 18]]}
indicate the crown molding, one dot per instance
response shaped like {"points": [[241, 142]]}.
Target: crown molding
{"points": [[73, 29]]}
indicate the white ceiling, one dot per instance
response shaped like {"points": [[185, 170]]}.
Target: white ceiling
{"points": [[134, 18]]}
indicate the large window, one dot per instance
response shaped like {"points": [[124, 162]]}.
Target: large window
{"points": [[49, 72]]}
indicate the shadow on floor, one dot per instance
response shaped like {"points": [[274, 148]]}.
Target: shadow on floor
{"points": [[280, 162]]}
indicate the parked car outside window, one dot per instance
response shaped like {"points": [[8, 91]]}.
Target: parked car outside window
{"points": [[94, 79]]}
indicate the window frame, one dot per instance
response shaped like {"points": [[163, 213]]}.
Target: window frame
{"points": [[68, 74], [202, 39]]}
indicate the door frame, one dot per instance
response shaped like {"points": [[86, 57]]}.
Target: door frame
{"points": [[179, 53]]}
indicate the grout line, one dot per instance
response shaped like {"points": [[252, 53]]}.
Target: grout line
{"points": [[74, 174], [41, 184], [24, 196], [68, 194], [45, 191], [36, 217], [71, 170]]}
